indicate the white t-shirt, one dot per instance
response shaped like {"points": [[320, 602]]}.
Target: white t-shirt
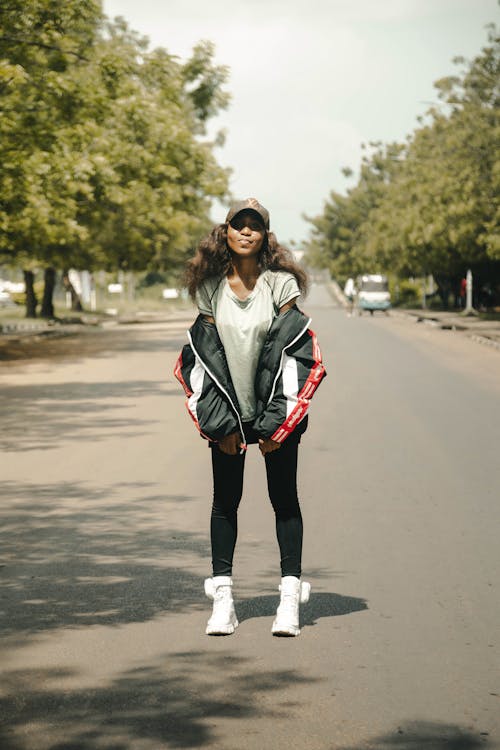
{"points": [[243, 324]]}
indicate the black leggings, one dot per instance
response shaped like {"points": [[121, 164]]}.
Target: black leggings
{"points": [[281, 470]]}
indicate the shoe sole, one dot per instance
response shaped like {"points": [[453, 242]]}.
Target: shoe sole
{"points": [[290, 633], [227, 631]]}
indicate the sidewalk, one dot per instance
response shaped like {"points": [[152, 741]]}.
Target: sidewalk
{"points": [[23, 339], [16, 324], [480, 330], [21, 327]]}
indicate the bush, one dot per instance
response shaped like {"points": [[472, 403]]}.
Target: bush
{"points": [[406, 293], [20, 297], [152, 278]]}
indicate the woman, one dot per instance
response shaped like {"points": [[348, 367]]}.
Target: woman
{"points": [[249, 371]]}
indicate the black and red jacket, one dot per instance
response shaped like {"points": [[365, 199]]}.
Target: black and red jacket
{"points": [[289, 371]]}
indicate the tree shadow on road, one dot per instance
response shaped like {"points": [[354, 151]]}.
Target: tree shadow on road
{"points": [[74, 555], [320, 605], [178, 702], [426, 735], [40, 417]]}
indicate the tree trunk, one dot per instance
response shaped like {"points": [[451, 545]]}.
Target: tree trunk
{"points": [[444, 289], [31, 300], [76, 303], [47, 310]]}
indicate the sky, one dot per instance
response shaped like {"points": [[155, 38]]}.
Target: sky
{"points": [[311, 81]]}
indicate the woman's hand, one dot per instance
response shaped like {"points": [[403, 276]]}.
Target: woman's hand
{"points": [[231, 444], [266, 445]]}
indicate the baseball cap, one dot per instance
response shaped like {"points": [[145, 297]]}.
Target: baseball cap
{"points": [[249, 204]]}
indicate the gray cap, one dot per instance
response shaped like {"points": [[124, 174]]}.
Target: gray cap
{"points": [[249, 204]]}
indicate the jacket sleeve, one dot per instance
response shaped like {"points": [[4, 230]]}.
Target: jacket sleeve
{"points": [[206, 404], [300, 373]]}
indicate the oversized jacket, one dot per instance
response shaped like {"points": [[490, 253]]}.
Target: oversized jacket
{"points": [[288, 372]]}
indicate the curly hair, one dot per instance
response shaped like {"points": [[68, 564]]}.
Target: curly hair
{"points": [[213, 259]]}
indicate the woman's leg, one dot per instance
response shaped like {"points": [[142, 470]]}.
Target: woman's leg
{"points": [[228, 488], [281, 469]]}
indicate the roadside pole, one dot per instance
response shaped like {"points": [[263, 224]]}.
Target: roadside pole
{"points": [[469, 310]]}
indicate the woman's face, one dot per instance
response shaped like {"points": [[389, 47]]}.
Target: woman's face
{"points": [[245, 234]]}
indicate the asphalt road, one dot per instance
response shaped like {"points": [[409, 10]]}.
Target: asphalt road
{"points": [[104, 522]]}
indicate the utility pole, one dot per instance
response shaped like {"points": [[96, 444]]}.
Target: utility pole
{"points": [[469, 310]]}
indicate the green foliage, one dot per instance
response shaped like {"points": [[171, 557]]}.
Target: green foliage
{"points": [[204, 81], [341, 235], [20, 297], [429, 206], [103, 159], [405, 293], [152, 278]]}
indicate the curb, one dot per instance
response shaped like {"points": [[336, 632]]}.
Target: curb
{"points": [[87, 322], [485, 340], [448, 325], [22, 328]]}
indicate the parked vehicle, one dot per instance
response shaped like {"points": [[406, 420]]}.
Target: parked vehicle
{"points": [[373, 293]]}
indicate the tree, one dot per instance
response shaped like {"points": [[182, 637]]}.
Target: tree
{"points": [[40, 43], [442, 205], [436, 210], [152, 176], [341, 235], [105, 161]]}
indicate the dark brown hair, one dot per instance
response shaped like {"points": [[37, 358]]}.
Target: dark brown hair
{"points": [[213, 259]]}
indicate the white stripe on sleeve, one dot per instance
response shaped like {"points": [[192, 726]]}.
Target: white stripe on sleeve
{"points": [[290, 383]]}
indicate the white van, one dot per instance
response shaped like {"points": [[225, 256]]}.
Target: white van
{"points": [[373, 293]]}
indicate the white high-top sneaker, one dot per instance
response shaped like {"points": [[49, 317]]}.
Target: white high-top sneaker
{"points": [[293, 592], [223, 620]]}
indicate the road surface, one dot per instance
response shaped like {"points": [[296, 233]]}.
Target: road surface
{"points": [[104, 517]]}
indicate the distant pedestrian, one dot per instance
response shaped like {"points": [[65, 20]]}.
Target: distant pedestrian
{"points": [[250, 369], [350, 295], [463, 293]]}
